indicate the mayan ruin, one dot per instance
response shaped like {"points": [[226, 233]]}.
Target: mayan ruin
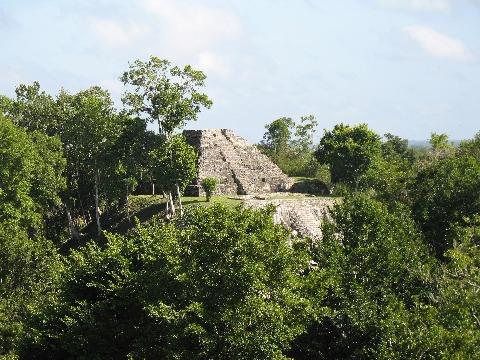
{"points": [[239, 167], [198, 179]]}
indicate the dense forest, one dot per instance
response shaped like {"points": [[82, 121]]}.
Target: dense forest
{"points": [[396, 274]]}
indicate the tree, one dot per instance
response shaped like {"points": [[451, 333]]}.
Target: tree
{"points": [[32, 109], [304, 132], [439, 141], [348, 151], [390, 179], [373, 271], [170, 96], [458, 299], [445, 192], [394, 147], [389, 175], [90, 131], [440, 145], [28, 270], [471, 146], [31, 177], [175, 167], [162, 93], [221, 283], [278, 136], [209, 184], [289, 145]]}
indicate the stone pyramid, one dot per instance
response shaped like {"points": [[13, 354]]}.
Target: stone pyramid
{"points": [[239, 167]]}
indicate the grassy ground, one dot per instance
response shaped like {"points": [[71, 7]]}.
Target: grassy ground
{"points": [[139, 202], [302, 178], [147, 207]]}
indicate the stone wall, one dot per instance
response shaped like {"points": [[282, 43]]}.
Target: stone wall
{"points": [[239, 167]]}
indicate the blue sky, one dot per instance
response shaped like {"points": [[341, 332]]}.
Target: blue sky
{"points": [[410, 67]]}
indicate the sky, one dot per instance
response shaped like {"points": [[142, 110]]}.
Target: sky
{"points": [[408, 67]]}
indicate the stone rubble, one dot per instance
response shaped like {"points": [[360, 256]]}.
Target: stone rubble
{"points": [[301, 216]]}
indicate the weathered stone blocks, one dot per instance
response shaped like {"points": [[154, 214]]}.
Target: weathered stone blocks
{"points": [[239, 167]]}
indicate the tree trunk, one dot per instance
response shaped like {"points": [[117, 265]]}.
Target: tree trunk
{"points": [[97, 209], [127, 204], [74, 234], [153, 188], [80, 198], [180, 206], [172, 205], [167, 205]]}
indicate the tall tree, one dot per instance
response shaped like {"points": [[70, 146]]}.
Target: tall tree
{"points": [[444, 193], [31, 180], [289, 145], [278, 136], [175, 167], [440, 146], [304, 132], [373, 274], [31, 176], [394, 147], [90, 130], [349, 151], [32, 109], [169, 95], [159, 92]]}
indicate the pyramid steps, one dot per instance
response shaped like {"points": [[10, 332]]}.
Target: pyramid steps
{"points": [[240, 168]]}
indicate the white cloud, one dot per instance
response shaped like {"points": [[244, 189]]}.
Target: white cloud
{"points": [[438, 45], [114, 34], [190, 28], [211, 62], [419, 5]]}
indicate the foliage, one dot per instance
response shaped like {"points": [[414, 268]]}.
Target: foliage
{"points": [[348, 151], [209, 185], [131, 150], [389, 178], [174, 161], [471, 146], [373, 272], [278, 135], [396, 274], [458, 301], [224, 284], [28, 269], [289, 145], [304, 132], [31, 176], [394, 147], [439, 141], [445, 193], [440, 146], [87, 125], [32, 109], [162, 93]]}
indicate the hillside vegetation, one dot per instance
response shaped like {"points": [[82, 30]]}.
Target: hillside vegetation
{"points": [[102, 257]]}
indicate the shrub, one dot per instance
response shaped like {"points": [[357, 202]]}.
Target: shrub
{"points": [[209, 184], [222, 283]]}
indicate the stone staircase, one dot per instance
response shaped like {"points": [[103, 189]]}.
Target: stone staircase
{"points": [[239, 167]]}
